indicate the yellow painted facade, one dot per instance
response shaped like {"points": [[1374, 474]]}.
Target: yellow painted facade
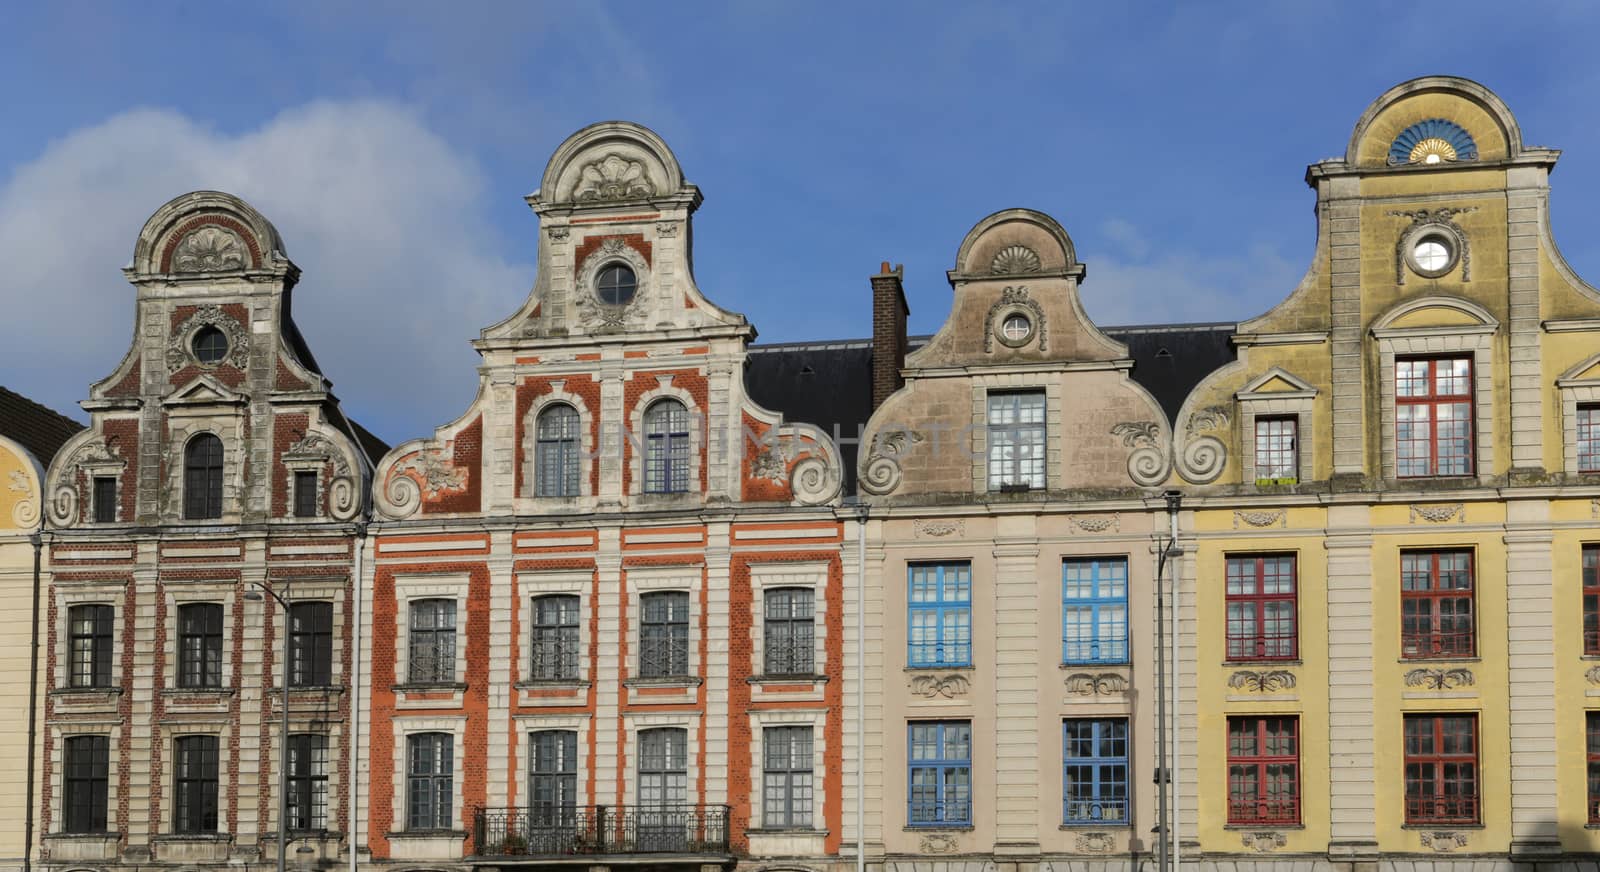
{"points": [[21, 481]]}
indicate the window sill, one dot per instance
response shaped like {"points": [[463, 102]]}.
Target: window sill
{"points": [[785, 831], [1096, 664], [86, 837], [664, 681], [212, 692], [307, 689], [1095, 825], [428, 686], [1441, 659], [1265, 826], [552, 684], [192, 837], [926, 667], [938, 828], [82, 692], [803, 678], [1264, 662], [1442, 825], [427, 834]]}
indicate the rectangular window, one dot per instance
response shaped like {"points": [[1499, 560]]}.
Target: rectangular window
{"points": [[105, 499], [1263, 770], [1277, 451], [200, 645], [433, 642], [431, 775], [786, 633], [1261, 608], [1441, 759], [1094, 611], [663, 789], [89, 645], [1592, 724], [939, 626], [308, 782], [305, 494], [664, 635], [553, 776], [1436, 604], [311, 644], [555, 638], [194, 786], [786, 777], [88, 762], [941, 773], [1016, 441], [1589, 438], [1094, 775], [1591, 600], [1433, 417]]}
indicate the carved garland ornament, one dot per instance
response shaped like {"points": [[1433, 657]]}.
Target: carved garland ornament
{"points": [[939, 529], [1438, 514], [1444, 842], [180, 353], [1263, 843], [1276, 517], [1147, 463], [613, 177], [424, 474], [1441, 219], [1265, 681], [1096, 523], [1096, 684], [1203, 456], [883, 461], [1095, 843], [1593, 675], [938, 843], [935, 686], [1439, 679], [1015, 299], [594, 314]]}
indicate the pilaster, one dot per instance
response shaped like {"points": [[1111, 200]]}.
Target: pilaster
{"points": [[1342, 211], [1351, 773], [504, 655], [1531, 671], [1526, 199], [1016, 683]]}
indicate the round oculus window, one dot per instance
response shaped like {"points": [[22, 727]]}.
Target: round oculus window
{"points": [[616, 285], [210, 345], [1016, 328], [1432, 254]]}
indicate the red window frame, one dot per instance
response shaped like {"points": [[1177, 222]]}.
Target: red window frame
{"points": [[1589, 438], [1264, 769], [1591, 600], [1441, 769], [1247, 577], [1593, 730], [1276, 451], [1433, 401], [1437, 616]]}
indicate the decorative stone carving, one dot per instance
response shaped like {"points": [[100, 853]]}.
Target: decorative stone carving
{"points": [[434, 476], [1208, 418], [314, 446], [342, 490], [667, 228], [1095, 843], [1147, 463], [771, 462], [1203, 457], [19, 481], [940, 528], [1275, 517], [1444, 842], [813, 482], [25, 511], [1014, 260], [1593, 675], [594, 314], [935, 686], [559, 232], [1440, 679], [938, 843], [1013, 299], [1438, 514], [180, 354], [90, 459], [1095, 523], [1443, 219], [1096, 684], [210, 249], [1263, 843], [883, 461], [1264, 681], [613, 177]]}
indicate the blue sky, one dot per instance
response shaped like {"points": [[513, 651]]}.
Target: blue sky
{"points": [[392, 146]]}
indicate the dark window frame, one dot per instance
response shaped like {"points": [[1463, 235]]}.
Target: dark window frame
{"points": [[1590, 568], [203, 462], [557, 458], [90, 631], [612, 288], [1250, 612], [431, 641], [200, 630], [1428, 779], [787, 776], [1253, 768], [667, 458], [308, 782], [553, 777], [555, 646], [1426, 612], [85, 783], [105, 498], [664, 617], [305, 493], [788, 631], [430, 781], [311, 643], [663, 767], [1592, 758], [195, 784]]}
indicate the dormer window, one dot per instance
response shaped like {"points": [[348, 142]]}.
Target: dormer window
{"points": [[210, 345], [616, 284], [202, 478]]}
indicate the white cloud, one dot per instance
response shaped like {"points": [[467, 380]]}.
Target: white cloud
{"points": [[401, 268]]}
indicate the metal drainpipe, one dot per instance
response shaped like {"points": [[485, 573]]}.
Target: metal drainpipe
{"points": [[37, 540], [353, 742], [1174, 501], [861, 692]]}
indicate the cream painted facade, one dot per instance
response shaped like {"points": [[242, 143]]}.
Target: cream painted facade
{"points": [[1433, 245], [21, 483]]}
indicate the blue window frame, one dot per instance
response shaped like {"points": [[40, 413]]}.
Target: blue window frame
{"points": [[940, 791], [1094, 611], [1094, 771], [939, 627]]}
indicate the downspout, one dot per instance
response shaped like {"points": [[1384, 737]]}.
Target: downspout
{"points": [[1174, 501], [37, 540], [354, 742], [861, 691]]}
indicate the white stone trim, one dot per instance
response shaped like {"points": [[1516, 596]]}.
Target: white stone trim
{"points": [[59, 734], [652, 579], [770, 576], [168, 734], [566, 582], [406, 726], [1575, 392], [187, 593], [638, 439], [817, 720], [558, 395], [1021, 382], [1476, 340], [111, 593], [522, 763], [409, 589], [183, 425], [1297, 404], [634, 723]]}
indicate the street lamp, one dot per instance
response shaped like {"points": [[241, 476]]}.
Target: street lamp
{"points": [[283, 731], [1163, 772]]}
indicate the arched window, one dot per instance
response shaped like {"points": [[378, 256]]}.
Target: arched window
{"points": [[555, 463], [666, 459], [202, 478]]}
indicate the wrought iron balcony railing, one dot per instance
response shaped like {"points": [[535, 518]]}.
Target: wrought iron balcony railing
{"points": [[554, 830]]}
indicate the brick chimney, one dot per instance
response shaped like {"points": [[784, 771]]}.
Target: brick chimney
{"points": [[889, 311]]}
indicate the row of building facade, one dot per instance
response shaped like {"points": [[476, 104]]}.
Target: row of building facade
{"points": [[661, 597]]}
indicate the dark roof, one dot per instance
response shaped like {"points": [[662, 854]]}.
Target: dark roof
{"points": [[40, 430], [374, 447], [829, 384]]}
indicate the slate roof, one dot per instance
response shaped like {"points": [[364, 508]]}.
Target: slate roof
{"points": [[829, 384], [37, 428]]}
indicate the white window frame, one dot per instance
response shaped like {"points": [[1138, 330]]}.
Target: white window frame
{"points": [[1576, 391], [633, 724], [982, 386], [522, 788], [184, 592], [1467, 340], [68, 595], [406, 726], [1297, 403], [168, 735], [111, 728]]}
